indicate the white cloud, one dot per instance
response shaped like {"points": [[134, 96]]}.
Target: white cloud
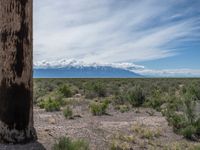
{"points": [[109, 31], [169, 72], [74, 63]]}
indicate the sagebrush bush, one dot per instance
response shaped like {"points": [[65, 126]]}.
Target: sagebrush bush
{"points": [[185, 121], [189, 132], [96, 89], [197, 126], [194, 89], [189, 106], [178, 121], [99, 108], [68, 113], [99, 88], [136, 97], [120, 99], [122, 108], [41, 104], [65, 143], [66, 91], [156, 99], [50, 105]]}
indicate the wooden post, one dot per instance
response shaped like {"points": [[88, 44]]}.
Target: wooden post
{"points": [[16, 84]]}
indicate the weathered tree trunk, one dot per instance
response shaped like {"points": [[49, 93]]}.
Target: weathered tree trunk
{"points": [[16, 106]]}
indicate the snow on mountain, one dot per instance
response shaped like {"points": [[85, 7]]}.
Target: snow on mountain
{"points": [[79, 64], [79, 69]]}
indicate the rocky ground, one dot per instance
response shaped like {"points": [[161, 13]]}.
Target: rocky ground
{"points": [[102, 131]]}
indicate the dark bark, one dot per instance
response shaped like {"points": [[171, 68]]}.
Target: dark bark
{"points": [[16, 106]]}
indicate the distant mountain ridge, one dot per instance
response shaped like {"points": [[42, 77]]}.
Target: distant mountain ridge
{"points": [[78, 69]]}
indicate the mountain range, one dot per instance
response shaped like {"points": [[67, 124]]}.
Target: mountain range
{"points": [[79, 69]]}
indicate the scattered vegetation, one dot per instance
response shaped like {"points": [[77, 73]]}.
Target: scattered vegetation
{"points": [[99, 108], [66, 91], [182, 116], [145, 132], [177, 99], [138, 134], [156, 99], [136, 96], [123, 108], [50, 105], [68, 113], [94, 89], [65, 143], [143, 137]]}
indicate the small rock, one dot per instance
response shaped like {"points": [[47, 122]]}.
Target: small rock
{"points": [[52, 121], [77, 95], [46, 130]]}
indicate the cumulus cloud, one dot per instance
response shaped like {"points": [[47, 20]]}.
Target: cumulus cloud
{"points": [[111, 31], [74, 63]]}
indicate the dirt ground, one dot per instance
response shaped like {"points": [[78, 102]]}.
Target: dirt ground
{"points": [[97, 130]]}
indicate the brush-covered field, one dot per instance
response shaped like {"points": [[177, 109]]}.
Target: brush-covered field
{"points": [[117, 114]]}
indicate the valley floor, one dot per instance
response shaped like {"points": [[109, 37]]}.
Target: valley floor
{"points": [[103, 131], [115, 128]]}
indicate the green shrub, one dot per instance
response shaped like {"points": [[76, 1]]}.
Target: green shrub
{"points": [[136, 97], [178, 121], [68, 113], [196, 147], [186, 122], [99, 88], [189, 105], [122, 108], [194, 89], [120, 99], [41, 104], [156, 99], [188, 132], [51, 105], [174, 103], [66, 91], [99, 108], [67, 144], [88, 91], [197, 126], [96, 89]]}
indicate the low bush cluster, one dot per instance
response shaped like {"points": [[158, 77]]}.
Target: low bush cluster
{"points": [[93, 90], [123, 108], [184, 121], [50, 105], [68, 113], [136, 96], [156, 99], [66, 91], [120, 99], [65, 143], [99, 108]]}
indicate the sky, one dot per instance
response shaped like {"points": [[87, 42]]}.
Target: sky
{"points": [[161, 36]]}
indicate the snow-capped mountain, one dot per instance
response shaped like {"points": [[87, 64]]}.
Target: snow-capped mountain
{"points": [[74, 63], [79, 69]]}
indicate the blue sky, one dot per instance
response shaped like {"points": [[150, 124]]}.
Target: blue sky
{"points": [[187, 58], [162, 36]]}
